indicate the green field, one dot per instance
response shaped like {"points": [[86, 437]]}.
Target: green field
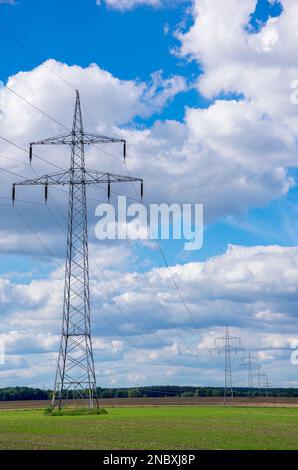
{"points": [[153, 428]]}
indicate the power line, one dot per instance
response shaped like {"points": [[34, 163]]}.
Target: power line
{"points": [[128, 243], [13, 160], [22, 200], [174, 283], [50, 253], [112, 156], [35, 107], [105, 291], [96, 146], [102, 150], [61, 228], [160, 249], [24, 150], [33, 54], [114, 289], [11, 172], [22, 176], [58, 263], [49, 163]]}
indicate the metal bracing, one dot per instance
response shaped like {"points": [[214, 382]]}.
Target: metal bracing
{"points": [[249, 363], [75, 368], [262, 379], [227, 348], [87, 177]]}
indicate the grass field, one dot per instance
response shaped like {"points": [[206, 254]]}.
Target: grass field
{"points": [[153, 428]]}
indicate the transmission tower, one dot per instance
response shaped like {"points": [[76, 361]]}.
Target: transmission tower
{"points": [[262, 379], [258, 374], [75, 368], [224, 345], [266, 384], [249, 364]]}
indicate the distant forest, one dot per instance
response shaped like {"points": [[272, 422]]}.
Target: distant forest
{"points": [[25, 393]]}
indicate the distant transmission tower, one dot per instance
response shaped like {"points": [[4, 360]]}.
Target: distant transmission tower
{"points": [[226, 347], [258, 374], [266, 384], [75, 369], [249, 364]]}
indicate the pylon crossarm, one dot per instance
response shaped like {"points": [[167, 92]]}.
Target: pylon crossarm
{"points": [[62, 139], [46, 180], [93, 176], [90, 177], [235, 338], [51, 179], [85, 138], [56, 140], [90, 138]]}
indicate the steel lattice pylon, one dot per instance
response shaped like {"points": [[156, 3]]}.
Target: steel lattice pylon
{"points": [[249, 363], [227, 348], [75, 369]]}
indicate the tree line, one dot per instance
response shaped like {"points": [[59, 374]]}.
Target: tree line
{"points": [[27, 393]]}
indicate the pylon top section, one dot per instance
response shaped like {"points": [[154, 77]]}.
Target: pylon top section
{"points": [[77, 138], [77, 134], [77, 127], [227, 343]]}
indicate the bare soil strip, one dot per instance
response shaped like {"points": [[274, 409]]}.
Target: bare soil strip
{"points": [[161, 401]]}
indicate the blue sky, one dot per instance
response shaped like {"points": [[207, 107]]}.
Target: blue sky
{"points": [[91, 34], [86, 34], [107, 37], [237, 162]]}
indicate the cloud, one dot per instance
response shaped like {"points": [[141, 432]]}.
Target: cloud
{"points": [[221, 146], [252, 121], [254, 289], [130, 4], [111, 103], [121, 100], [239, 146], [250, 64]]}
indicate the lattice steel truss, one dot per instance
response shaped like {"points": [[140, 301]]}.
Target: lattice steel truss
{"points": [[75, 369], [249, 363], [227, 348], [262, 379]]}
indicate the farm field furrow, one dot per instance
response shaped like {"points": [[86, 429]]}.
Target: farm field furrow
{"points": [[160, 401]]}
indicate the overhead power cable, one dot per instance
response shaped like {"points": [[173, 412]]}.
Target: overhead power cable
{"points": [[109, 154]]}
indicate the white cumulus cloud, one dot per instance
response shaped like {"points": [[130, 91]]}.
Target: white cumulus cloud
{"points": [[252, 288]]}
